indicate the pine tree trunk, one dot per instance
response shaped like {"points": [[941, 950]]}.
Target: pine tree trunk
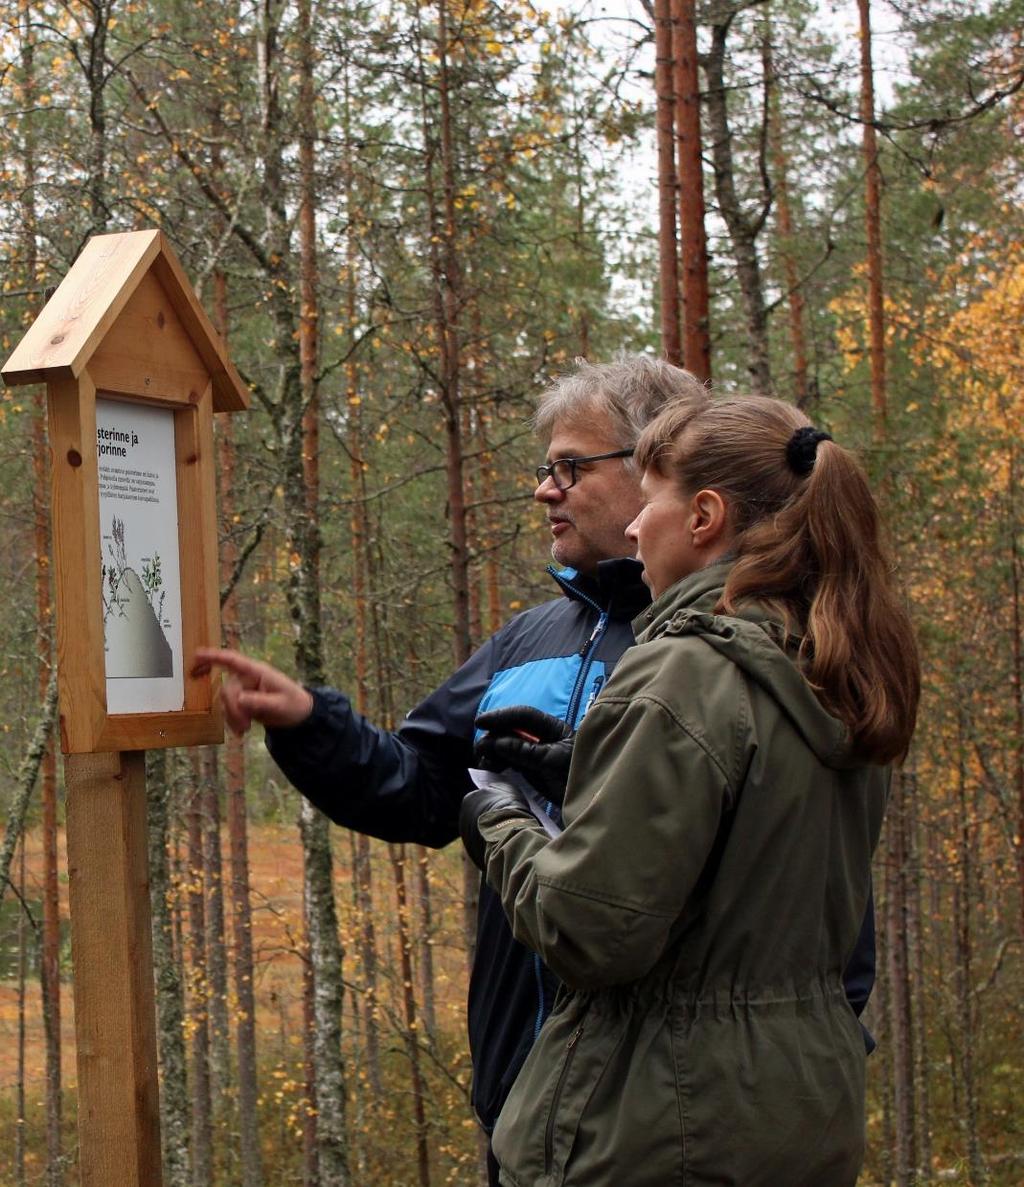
{"points": [[447, 276], [199, 1022], [242, 962], [898, 971], [472, 499], [918, 975], [96, 65], [873, 221], [884, 1036], [363, 877], [425, 941], [216, 949], [668, 246], [780, 163], [412, 1035], [170, 1001], [743, 229], [241, 906], [447, 295], [963, 978], [447, 287], [1017, 674], [492, 578], [22, 981], [690, 174]]}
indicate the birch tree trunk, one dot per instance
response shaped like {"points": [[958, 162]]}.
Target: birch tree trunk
{"points": [[361, 867], [302, 493], [25, 780], [49, 973]]}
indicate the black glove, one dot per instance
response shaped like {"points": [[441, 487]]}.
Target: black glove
{"points": [[536, 744], [475, 804]]}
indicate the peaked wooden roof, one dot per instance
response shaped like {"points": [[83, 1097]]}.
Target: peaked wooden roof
{"points": [[75, 320]]}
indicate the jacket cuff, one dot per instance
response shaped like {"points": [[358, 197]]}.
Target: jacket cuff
{"points": [[318, 732]]}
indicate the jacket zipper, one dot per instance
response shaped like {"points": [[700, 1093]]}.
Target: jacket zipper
{"points": [[587, 657], [549, 1132], [587, 650]]}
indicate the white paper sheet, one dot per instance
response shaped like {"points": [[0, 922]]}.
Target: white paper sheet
{"points": [[535, 801], [141, 568]]}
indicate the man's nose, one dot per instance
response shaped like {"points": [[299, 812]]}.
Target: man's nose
{"points": [[547, 492]]}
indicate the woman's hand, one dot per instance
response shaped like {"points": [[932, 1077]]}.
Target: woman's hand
{"points": [[529, 741]]}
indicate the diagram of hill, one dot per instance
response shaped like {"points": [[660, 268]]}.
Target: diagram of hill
{"points": [[136, 646], [135, 643]]}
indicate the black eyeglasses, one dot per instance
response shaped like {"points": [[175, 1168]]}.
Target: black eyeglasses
{"points": [[562, 471]]}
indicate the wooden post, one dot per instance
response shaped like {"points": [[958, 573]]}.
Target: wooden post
{"points": [[111, 944]]}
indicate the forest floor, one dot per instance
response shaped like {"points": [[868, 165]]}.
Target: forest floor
{"points": [[275, 859], [276, 882]]}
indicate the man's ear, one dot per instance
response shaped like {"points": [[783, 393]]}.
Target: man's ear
{"points": [[709, 520]]}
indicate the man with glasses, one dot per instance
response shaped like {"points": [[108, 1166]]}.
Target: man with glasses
{"points": [[408, 785]]}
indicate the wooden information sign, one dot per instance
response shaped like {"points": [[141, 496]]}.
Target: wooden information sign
{"points": [[134, 372]]}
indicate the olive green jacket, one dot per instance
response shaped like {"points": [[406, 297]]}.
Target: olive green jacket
{"points": [[699, 907]]}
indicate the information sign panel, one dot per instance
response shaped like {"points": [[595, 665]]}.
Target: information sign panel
{"points": [[140, 568]]}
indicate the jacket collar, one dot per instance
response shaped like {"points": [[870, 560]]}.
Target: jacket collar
{"points": [[698, 591], [616, 588]]}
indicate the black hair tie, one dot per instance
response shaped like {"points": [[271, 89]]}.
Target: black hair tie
{"points": [[802, 449]]}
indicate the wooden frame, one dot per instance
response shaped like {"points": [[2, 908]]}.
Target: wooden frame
{"points": [[125, 324]]}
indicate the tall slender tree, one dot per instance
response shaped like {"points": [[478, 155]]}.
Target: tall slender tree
{"points": [[668, 245], [744, 225], [690, 170]]}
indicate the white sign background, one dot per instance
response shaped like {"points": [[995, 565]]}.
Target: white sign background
{"points": [[139, 555]]}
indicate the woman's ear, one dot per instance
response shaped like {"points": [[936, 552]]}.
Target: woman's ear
{"points": [[709, 520]]}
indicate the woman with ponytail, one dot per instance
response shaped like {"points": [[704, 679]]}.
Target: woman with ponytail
{"points": [[724, 798]]}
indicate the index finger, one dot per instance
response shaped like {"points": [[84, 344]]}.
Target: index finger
{"points": [[207, 658]]}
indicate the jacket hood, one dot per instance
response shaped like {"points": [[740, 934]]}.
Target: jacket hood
{"points": [[757, 645]]}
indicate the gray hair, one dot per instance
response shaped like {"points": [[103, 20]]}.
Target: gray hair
{"points": [[630, 391]]}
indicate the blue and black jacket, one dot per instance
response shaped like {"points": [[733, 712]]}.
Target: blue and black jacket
{"points": [[407, 786]]}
